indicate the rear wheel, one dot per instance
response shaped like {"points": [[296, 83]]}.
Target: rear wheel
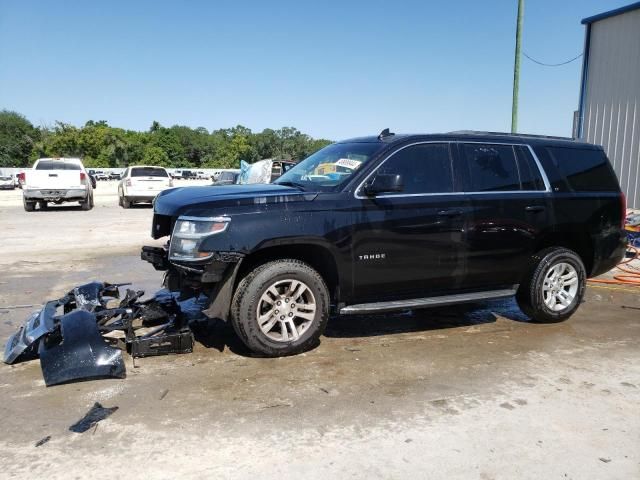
{"points": [[125, 202], [555, 287], [44, 205], [29, 206], [281, 308], [88, 203]]}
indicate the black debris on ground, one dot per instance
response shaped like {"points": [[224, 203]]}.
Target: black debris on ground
{"points": [[42, 441], [93, 416]]}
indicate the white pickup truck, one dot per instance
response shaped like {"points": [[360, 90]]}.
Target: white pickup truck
{"points": [[57, 180]]}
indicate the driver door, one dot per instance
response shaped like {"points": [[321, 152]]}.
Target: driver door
{"points": [[411, 244]]}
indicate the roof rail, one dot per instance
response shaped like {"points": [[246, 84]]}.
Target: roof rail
{"points": [[506, 134]]}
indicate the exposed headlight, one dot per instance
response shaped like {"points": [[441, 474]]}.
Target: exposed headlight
{"points": [[188, 233]]}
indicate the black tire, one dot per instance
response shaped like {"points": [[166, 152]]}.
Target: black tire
{"points": [[126, 203], [245, 303], [530, 295], [87, 204], [28, 206], [44, 205]]}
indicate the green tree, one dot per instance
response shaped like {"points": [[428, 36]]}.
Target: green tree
{"points": [[102, 145], [17, 139], [156, 156]]}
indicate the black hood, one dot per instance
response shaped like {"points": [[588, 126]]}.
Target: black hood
{"points": [[201, 199]]}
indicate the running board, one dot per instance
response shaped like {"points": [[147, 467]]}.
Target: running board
{"points": [[379, 307]]}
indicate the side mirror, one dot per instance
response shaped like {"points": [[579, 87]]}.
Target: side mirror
{"points": [[93, 180], [384, 183]]}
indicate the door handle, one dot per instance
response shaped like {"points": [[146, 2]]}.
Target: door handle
{"points": [[450, 213], [535, 208]]}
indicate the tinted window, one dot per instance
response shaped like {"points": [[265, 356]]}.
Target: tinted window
{"points": [[491, 167], [584, 169], [530, 176], [424, 168], [56, 165], [149, 172]]}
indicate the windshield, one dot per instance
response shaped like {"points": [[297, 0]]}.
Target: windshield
{"points": [[331, 166]]}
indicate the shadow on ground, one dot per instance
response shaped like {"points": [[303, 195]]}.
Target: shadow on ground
{"points": [[220, 335]]}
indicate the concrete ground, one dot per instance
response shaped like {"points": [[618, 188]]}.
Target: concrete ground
{"points": [[465, 392]]}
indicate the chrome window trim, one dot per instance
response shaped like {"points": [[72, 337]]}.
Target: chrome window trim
{"points": [[449, 142], [219, 219]]}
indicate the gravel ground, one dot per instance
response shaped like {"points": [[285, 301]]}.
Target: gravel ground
{"points": [[474, 391]]}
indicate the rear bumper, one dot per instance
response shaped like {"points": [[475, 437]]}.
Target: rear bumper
{"points": [[609, 251], [7, 187], [55, 194], [141, 196]]}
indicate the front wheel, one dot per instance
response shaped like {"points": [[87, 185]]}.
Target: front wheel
{"points": [[281, 308], [555, 287]]}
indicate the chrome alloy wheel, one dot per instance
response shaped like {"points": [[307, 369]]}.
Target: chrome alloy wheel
{"points": [[560, 286], [286, 310]]}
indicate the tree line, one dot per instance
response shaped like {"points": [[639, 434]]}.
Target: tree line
{"points": [[101, 145]]}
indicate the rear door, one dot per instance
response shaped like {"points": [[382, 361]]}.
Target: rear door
{"points": [[510, 210], [412, 243], [148, 180]]}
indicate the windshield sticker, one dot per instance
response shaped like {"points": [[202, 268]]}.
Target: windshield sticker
{"points": [[349, 163]]}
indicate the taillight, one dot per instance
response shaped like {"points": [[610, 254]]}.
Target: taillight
{"points": [[83, 177], [623, 205], [128, 182]]}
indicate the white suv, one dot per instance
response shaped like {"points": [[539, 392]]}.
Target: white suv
{"points": [[142, 184]]}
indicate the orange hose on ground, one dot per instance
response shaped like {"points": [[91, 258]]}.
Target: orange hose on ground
{"points": [[631, 276]]}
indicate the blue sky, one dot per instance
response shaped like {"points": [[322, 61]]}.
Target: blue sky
{"points": [[333, 69]]}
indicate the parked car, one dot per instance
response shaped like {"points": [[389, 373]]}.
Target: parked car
{"points": [[101, 176], [226, 178], [56, 180], [402, 222], [7, 182], [142, 184], [114, 176], [200, 175]]}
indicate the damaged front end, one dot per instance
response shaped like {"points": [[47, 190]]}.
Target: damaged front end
{"points": [[82, 335], [192, 269]]}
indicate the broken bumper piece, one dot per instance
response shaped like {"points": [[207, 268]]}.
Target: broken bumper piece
{"points": [[78, 352], [23, 344], [69, 334]]}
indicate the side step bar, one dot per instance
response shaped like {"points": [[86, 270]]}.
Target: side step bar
{"points": [[380, 307]]}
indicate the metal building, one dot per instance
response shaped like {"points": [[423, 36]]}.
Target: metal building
{"points": [[609, 110]]}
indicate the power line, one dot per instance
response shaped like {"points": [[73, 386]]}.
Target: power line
{"points": [[551, 64]]}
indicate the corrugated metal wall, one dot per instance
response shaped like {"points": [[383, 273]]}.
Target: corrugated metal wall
{"points": [[611, 108]]}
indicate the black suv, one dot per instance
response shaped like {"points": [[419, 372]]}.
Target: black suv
{"points": [[395, 222]]}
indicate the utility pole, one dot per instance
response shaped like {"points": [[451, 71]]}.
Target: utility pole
{"points": [[516, 69]]}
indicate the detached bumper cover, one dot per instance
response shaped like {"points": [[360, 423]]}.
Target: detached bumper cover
{"points": [[79, 352], [70, 334]]}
